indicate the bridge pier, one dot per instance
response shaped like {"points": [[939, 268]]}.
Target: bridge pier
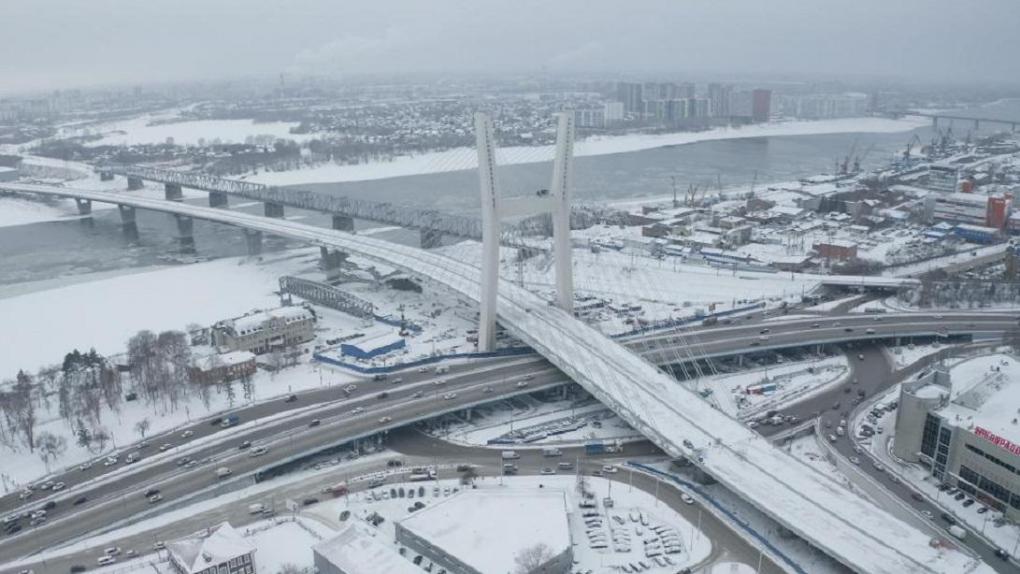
{"points": [[977, 125], [935, 122], [135, 183], [185, 232], [127, 221], [331, 261], [84, 206], [430, 238], [253, 241], [106, 176], [343, 223], [173, 192], [218, 199], [274, 210]]}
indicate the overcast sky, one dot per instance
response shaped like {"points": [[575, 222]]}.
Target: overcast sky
{"points": [[47, 44]]}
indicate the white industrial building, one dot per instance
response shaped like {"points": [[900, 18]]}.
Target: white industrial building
{"points": [[483, 531], [356, 550], [216, 550]]}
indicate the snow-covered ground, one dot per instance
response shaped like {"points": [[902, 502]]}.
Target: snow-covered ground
{"points": [[464, 158], [906, 355], [529, 421], [807, 450], [794, 382], [138, 130]]}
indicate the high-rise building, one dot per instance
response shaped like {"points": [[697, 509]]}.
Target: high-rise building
{"points": [[630, 94], [613, 112], [719, 97], [686, 90], [761, 105]]}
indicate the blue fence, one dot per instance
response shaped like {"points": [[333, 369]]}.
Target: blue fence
{"points": [[508, 352], [733, 517]]}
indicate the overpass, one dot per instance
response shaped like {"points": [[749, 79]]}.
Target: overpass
{"points": [[810, 504], [431, 223]]}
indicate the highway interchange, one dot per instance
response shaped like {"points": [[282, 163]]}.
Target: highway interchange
{"points": [[115, 494]]}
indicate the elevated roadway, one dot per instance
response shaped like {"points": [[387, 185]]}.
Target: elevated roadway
{"points": [[852, 530]]}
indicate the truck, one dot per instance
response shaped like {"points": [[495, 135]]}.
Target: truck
{"points": [[957, 531], [510, 455], [600, 447], [229, 421], [551, 451]]}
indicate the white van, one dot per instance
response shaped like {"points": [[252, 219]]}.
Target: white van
{"points": [[510, 455]]}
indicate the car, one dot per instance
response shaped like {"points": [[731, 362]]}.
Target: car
{"points": [[916, 497], [183, 461], [438, 382], [310, 501], [350, 388], [948, 518], [165, 447], [1001, 554], [396, 381], [110, 461], [596, 473], [855, 381], [158, 545], [112, 551], [384, 420], [12, 528], [878, 467], [78, 568], [151, 492], [855, 460], [938, 316], [85, 466], [849, 329], [522, 384], [487, 390], [258, 451], [764, 331], [290, 399], [58, 486], [968, 503], [383, 395], [314, 423], [132, 458], [609, 468], [188, 434], [686, 498], [80, 500], [869, 331], [244, 445], [547, 470], [815, 325], [449, 396], [418, 395], [960, 496], [835, 406], [982, 510], [50, 505], [155, 498], [846, 390], [927, 514], [358, 411], [106, 560], [860, 356]]}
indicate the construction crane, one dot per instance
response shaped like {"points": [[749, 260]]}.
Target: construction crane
{"points": [[860, 158], [916, 140], [844, 167]]}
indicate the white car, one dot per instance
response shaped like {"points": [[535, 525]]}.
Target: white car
{"points": [[106, 560], [548, 470], [686, 498], [110, 461], [155, 498], [188, 434], [384, 420], [522, 384], [112, 551], [58, 486], [358, 411], [258, 451], [449, 396], [855, 460], [609, 468], [85, 466], [165, 447]]}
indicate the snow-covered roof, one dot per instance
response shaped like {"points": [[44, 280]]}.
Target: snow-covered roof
{"points": [[356, 551], [376, 341], [487, 529], [209, 547], [986, 392], [254, 321]]}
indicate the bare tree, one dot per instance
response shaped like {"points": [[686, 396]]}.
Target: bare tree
{"points": [[51, 447], [142, 427], [288, 568], [23, 408], [530, 560], [469, 475]]}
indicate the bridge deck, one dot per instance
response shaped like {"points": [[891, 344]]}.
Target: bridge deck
{"points": [[852, 530]]}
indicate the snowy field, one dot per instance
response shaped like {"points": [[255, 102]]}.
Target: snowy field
{"points": [[907, 355], [137, 131], [794, 382], [464, 158]]}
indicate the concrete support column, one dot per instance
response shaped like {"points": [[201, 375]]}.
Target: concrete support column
{"points": [[173, 192], [430, 238], [343, 223], [253, 241], [563, 174], [135, 183], [106, 176], [218, 199], [185, 232], [331, 261], [127, 220], [274, 210], [486, 143], [84, 206]]}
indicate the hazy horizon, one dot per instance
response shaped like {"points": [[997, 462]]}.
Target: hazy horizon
{"points": [[60, 44]]}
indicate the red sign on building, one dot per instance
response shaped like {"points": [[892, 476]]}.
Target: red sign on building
{"points": [[997, 440]]}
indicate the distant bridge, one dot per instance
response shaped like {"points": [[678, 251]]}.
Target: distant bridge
{"points": [[936, 116], [431, 223]]}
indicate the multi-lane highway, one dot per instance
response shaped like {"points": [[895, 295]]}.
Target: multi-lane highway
{"points": [[114, 497]]}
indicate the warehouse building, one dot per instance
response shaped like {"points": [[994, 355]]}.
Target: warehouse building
{"points": [[216, 550], [357, 551], [482, 532], [963, 427]]}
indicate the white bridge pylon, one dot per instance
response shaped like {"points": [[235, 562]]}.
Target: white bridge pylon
{"points": [[554, 201]]}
